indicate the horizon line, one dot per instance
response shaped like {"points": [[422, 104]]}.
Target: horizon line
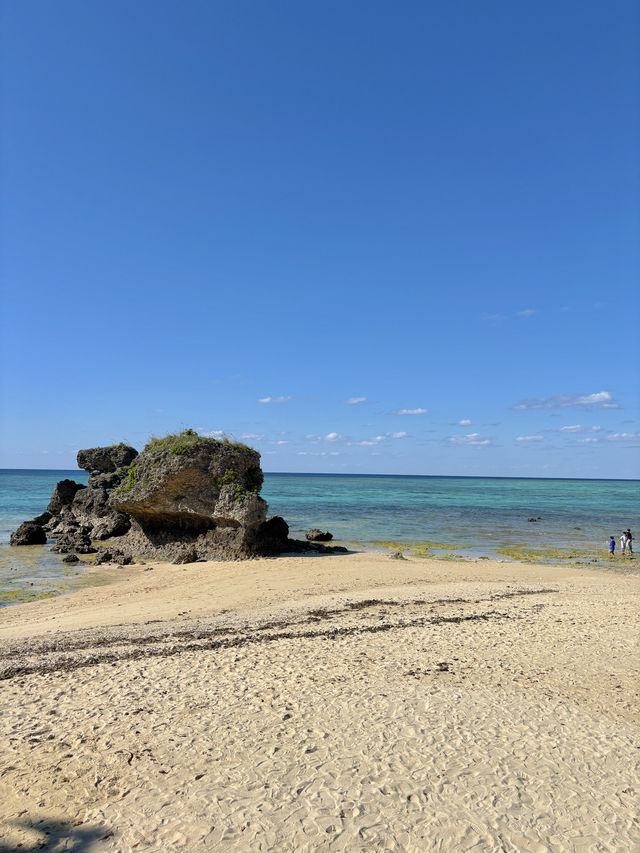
{"points": [[360, 474]]}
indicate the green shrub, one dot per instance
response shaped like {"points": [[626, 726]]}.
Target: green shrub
{"points": [[188, 441], [130, 478]]}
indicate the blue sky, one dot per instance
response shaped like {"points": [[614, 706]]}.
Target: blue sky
{"points": [[360, 237]]}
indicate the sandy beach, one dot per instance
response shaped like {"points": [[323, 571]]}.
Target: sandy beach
{"points": [[348, 702]]}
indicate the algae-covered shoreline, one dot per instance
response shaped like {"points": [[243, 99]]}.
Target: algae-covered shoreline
{"points": [[40, 573]]}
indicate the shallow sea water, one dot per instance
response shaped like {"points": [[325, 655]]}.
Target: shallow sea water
{"points": [[472, 516]]}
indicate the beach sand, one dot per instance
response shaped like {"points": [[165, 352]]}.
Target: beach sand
{"points": [[347, 703]]}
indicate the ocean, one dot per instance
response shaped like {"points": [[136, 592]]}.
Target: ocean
{"points": [[466, 516]]}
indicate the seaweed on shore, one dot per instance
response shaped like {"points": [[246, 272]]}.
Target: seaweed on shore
{"points": [[528, 554], [422, 549]]}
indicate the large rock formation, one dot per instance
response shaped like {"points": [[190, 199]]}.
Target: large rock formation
{"points": [[189, 495], [184, 498]]}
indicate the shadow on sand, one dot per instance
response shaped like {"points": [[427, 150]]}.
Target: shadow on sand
{"points": [[55, 834]]}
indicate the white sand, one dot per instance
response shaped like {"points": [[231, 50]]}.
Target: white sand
{"points": [[477, 706]]}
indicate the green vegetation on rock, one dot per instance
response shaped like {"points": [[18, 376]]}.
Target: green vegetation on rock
{"points": [[130, 478], [188, 442]]}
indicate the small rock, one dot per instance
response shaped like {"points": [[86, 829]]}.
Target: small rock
{"points": [[29, 533], [316, 535], [71, 558]]}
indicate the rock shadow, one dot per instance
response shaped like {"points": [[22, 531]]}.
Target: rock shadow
{"points": [[56, 835]]}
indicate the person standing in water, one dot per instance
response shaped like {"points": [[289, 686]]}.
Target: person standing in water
{"points": [[629, 542], [623, 543], [612, 546]]}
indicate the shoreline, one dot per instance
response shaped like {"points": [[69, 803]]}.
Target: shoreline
{"points": [[112, 594], [347, 702]]}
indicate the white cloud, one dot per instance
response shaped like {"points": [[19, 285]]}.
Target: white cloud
{"points": [[214, 433], [334, 453], [274, 399], [600, 397], [624, 436], [251, 436], [465, 422], [372, 442], [281, 441], [528, 312], [610, 406], [473, 439], [411, 412], [353, 401], [564, 401], [587, 440], [530, 438], [330, 436], [576, 428]]}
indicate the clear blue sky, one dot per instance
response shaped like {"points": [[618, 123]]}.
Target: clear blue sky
{"points": [[362, 237]]}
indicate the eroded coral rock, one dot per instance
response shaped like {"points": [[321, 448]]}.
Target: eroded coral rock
{"points": [[106, 459], [189, 495], [63, 494], [29, 533]]}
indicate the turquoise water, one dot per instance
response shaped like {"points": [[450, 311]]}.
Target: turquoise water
{"points": [[479, 514]]}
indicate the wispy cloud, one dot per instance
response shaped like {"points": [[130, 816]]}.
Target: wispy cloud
{"points": [[474, 439], [372, 442], [494, 319], [274, 399], [214, 433], [464, 422], [624, 436], [410, 412], [528, 312], [353, 401], [251, 436], [579, 428], [330, 436], [586, 440], [565, 401], [530, 438]]}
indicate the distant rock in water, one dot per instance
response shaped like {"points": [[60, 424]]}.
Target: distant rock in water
{"points": [[319, 535], [185, 497]]}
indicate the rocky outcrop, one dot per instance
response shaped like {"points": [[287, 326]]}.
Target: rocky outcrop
{"points": [[29, 533], [102, 460], [316, 535], [191, 497], [184, 498], [78, 515], [63, 495]]}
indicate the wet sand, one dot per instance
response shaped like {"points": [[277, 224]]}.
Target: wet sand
{"points": [[324, 703]]}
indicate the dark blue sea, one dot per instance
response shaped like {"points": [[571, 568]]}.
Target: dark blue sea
{"points": [[475, 515]]}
